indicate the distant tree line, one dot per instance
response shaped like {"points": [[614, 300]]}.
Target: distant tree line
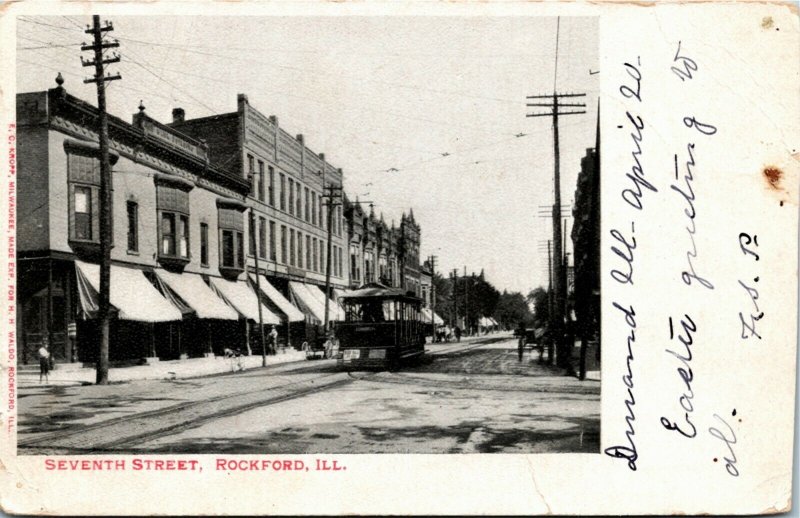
{"points": [[476, 297]]}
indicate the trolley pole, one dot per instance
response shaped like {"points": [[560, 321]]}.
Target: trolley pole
{"points": [[100, 79]]}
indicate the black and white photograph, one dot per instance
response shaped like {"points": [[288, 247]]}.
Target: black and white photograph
{"points": [[307, 235]]}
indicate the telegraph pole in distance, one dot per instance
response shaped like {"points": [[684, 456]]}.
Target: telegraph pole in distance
{"points": [[455, 297], [466, 301], [553, 109], [550, 300], [432, 260], [100, 78]]}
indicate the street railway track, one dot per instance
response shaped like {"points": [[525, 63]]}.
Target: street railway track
{"points": [[458, 348], [163, 422], [176, 418], [467, 382]]}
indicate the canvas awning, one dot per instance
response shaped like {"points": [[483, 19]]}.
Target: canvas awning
{"points": [[338, 293], [131, 294], [428, 314], [336, 311], [239, 296], [282, 303], [195, 293], [308, 304]]}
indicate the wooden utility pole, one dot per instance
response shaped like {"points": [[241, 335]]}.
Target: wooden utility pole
{"points": [[432, 260], [550, 301], [332, 199], [455, 297], [466, 302], [254, 248], [554, 110], [100, 78]]}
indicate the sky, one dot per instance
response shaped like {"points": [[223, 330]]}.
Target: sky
{"points": [[427, 113]]}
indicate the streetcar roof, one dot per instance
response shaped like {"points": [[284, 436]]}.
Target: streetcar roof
{"points": [[377, 290]]}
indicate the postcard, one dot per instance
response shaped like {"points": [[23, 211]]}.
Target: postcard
{"points": [[398, 257]]}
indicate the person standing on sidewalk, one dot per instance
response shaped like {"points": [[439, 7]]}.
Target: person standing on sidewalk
{"points": [[44, 361], [458, 334], [273, 340]]}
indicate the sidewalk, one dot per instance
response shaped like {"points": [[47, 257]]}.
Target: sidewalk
{"points": [[172, 369]]}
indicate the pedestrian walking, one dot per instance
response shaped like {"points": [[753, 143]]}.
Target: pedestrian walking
{"points": [[458, 333], [521, 341], [44, 361]]}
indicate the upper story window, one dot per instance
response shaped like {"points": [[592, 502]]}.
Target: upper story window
{"points": [[133, 226], [231, 236], [320, 217], [271, 179], [261, 180], [273, 256], [252, 241], [308, 199], [313, 208], [291, 196], [309, 252], [299, 212], [172, 207], [283, 244], [262, 237], [83, 213], [291, 247], [283, 191], [204, 244]]}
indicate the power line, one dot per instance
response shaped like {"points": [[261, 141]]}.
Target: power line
{"points": [[555, 73]]}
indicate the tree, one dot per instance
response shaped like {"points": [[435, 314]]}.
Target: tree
{"points": [[444, 296], [539, 299], [512, 309]]}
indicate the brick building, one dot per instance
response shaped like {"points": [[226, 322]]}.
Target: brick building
{"points": [[177, 283], [382, 253], [287, 230]]}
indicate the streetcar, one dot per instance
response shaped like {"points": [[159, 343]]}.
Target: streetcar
{"points": [[383, 327]]}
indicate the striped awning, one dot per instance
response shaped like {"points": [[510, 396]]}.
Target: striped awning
{"points": [[429, 315], [307, 303], [239, 296], [196, 294], [290, 312], [131, 294], [335, 309]]}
